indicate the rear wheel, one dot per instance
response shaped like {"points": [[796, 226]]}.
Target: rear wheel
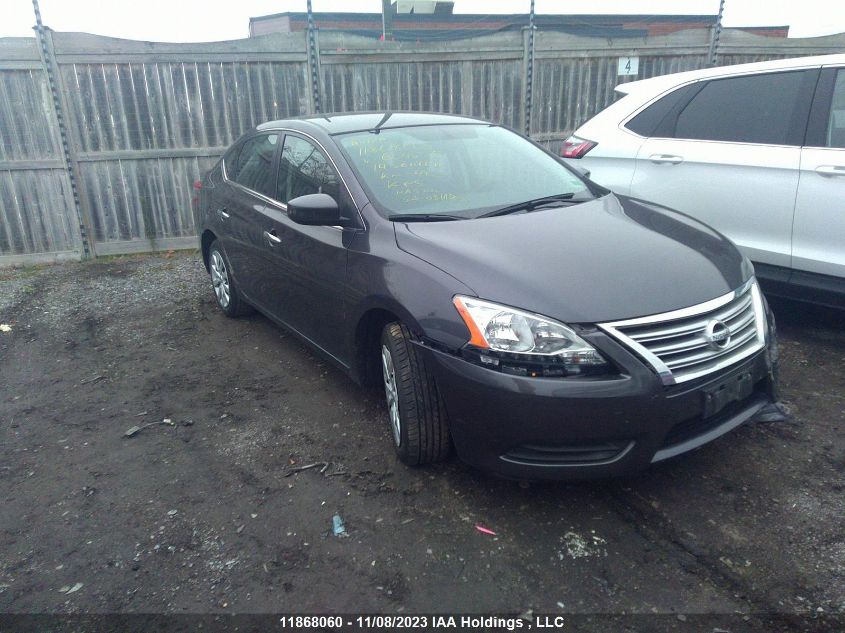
{"points": [[228, 298], [417, 417]]}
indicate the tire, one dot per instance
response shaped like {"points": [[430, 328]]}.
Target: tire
{"points": [[228, 297], [418, 426]]}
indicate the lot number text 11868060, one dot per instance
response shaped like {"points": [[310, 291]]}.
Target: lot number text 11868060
{"points": [[427, 622]]}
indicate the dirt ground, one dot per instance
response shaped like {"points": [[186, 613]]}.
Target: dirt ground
{"points": [[200, 516]]}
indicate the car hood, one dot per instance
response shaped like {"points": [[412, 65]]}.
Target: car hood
{"points": [[603, 260]]}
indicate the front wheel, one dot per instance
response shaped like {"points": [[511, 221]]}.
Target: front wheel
{"points": [[226, 292], [416, 412]]}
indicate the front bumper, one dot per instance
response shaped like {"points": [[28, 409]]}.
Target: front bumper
{"points": [[553, 428]]}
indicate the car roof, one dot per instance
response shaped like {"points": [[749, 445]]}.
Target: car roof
{"points": [[345, 122], [675, 79]]}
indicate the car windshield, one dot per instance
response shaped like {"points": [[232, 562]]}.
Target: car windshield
{"points": [[463, 170]]}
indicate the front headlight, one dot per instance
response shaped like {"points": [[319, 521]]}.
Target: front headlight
{"points": [[518, 334]]}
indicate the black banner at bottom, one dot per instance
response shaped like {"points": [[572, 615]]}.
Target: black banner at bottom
{"points": [[353, 623]]}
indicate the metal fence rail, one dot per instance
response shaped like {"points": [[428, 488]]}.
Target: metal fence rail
{"points": [[146, 119]]}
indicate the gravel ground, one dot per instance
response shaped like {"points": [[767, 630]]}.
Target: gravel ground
{"points": [[199, 516]]}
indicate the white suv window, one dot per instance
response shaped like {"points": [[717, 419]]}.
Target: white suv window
{"points": [[749, 109], [658, 119], [836, 125]]}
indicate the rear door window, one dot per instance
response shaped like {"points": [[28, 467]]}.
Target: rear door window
{"points": [[253, 168], [835, 136], [768, 109]]}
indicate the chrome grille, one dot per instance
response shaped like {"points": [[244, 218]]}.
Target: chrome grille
{"points": [[695, 341]]}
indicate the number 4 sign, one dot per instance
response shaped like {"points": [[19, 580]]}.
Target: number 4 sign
{"points": [[629, 65]]}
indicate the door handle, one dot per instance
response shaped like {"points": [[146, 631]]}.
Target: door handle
{"points": [[223, 214], [830, 170], [272, 238], [666, 158]]}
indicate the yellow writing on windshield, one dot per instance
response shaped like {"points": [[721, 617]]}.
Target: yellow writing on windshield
{"points": [[409, 172]]}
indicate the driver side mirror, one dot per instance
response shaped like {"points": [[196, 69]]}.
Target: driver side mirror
{"points": [[315, 209]]}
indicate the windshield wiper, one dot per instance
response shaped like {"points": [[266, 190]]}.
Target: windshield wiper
{"points": [[424, 217], [529, 205]]}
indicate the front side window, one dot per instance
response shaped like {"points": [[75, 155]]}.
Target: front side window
{"points": [[254, 166], [749, 109], [836, 123], [462, 170], [303, 170]]}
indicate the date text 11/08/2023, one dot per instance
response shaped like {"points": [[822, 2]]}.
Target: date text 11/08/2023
{"points": [[434, 622]]}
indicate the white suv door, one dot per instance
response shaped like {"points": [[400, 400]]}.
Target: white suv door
{"points": [[819, 233], [730, 157]]}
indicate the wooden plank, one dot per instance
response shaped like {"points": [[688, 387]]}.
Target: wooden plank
{"points": [[89, 44], [27, 165], [34, 259], [19, 49], [11, 64], [127, 247]]}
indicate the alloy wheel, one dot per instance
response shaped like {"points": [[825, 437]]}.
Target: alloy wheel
{"points": [[220, 279], [391, 391]]}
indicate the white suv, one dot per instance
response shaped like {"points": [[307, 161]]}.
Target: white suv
{"points": [[755, 150]]}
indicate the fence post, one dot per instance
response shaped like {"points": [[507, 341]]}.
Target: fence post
{"points": [[715, 33], [318, 72], [528, 74], [523, 109], [313, 55], [71, 166]]}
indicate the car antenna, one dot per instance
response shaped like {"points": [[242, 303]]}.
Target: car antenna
{"points": [[384, 119]]}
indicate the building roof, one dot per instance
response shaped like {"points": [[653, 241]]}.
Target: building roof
{"points": [[448, 26]]}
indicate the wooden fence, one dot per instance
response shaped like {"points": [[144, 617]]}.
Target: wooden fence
{"points": [[143, 120]]}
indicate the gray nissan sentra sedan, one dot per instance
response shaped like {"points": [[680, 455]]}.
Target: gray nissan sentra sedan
{"points": [[510, 307]]}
